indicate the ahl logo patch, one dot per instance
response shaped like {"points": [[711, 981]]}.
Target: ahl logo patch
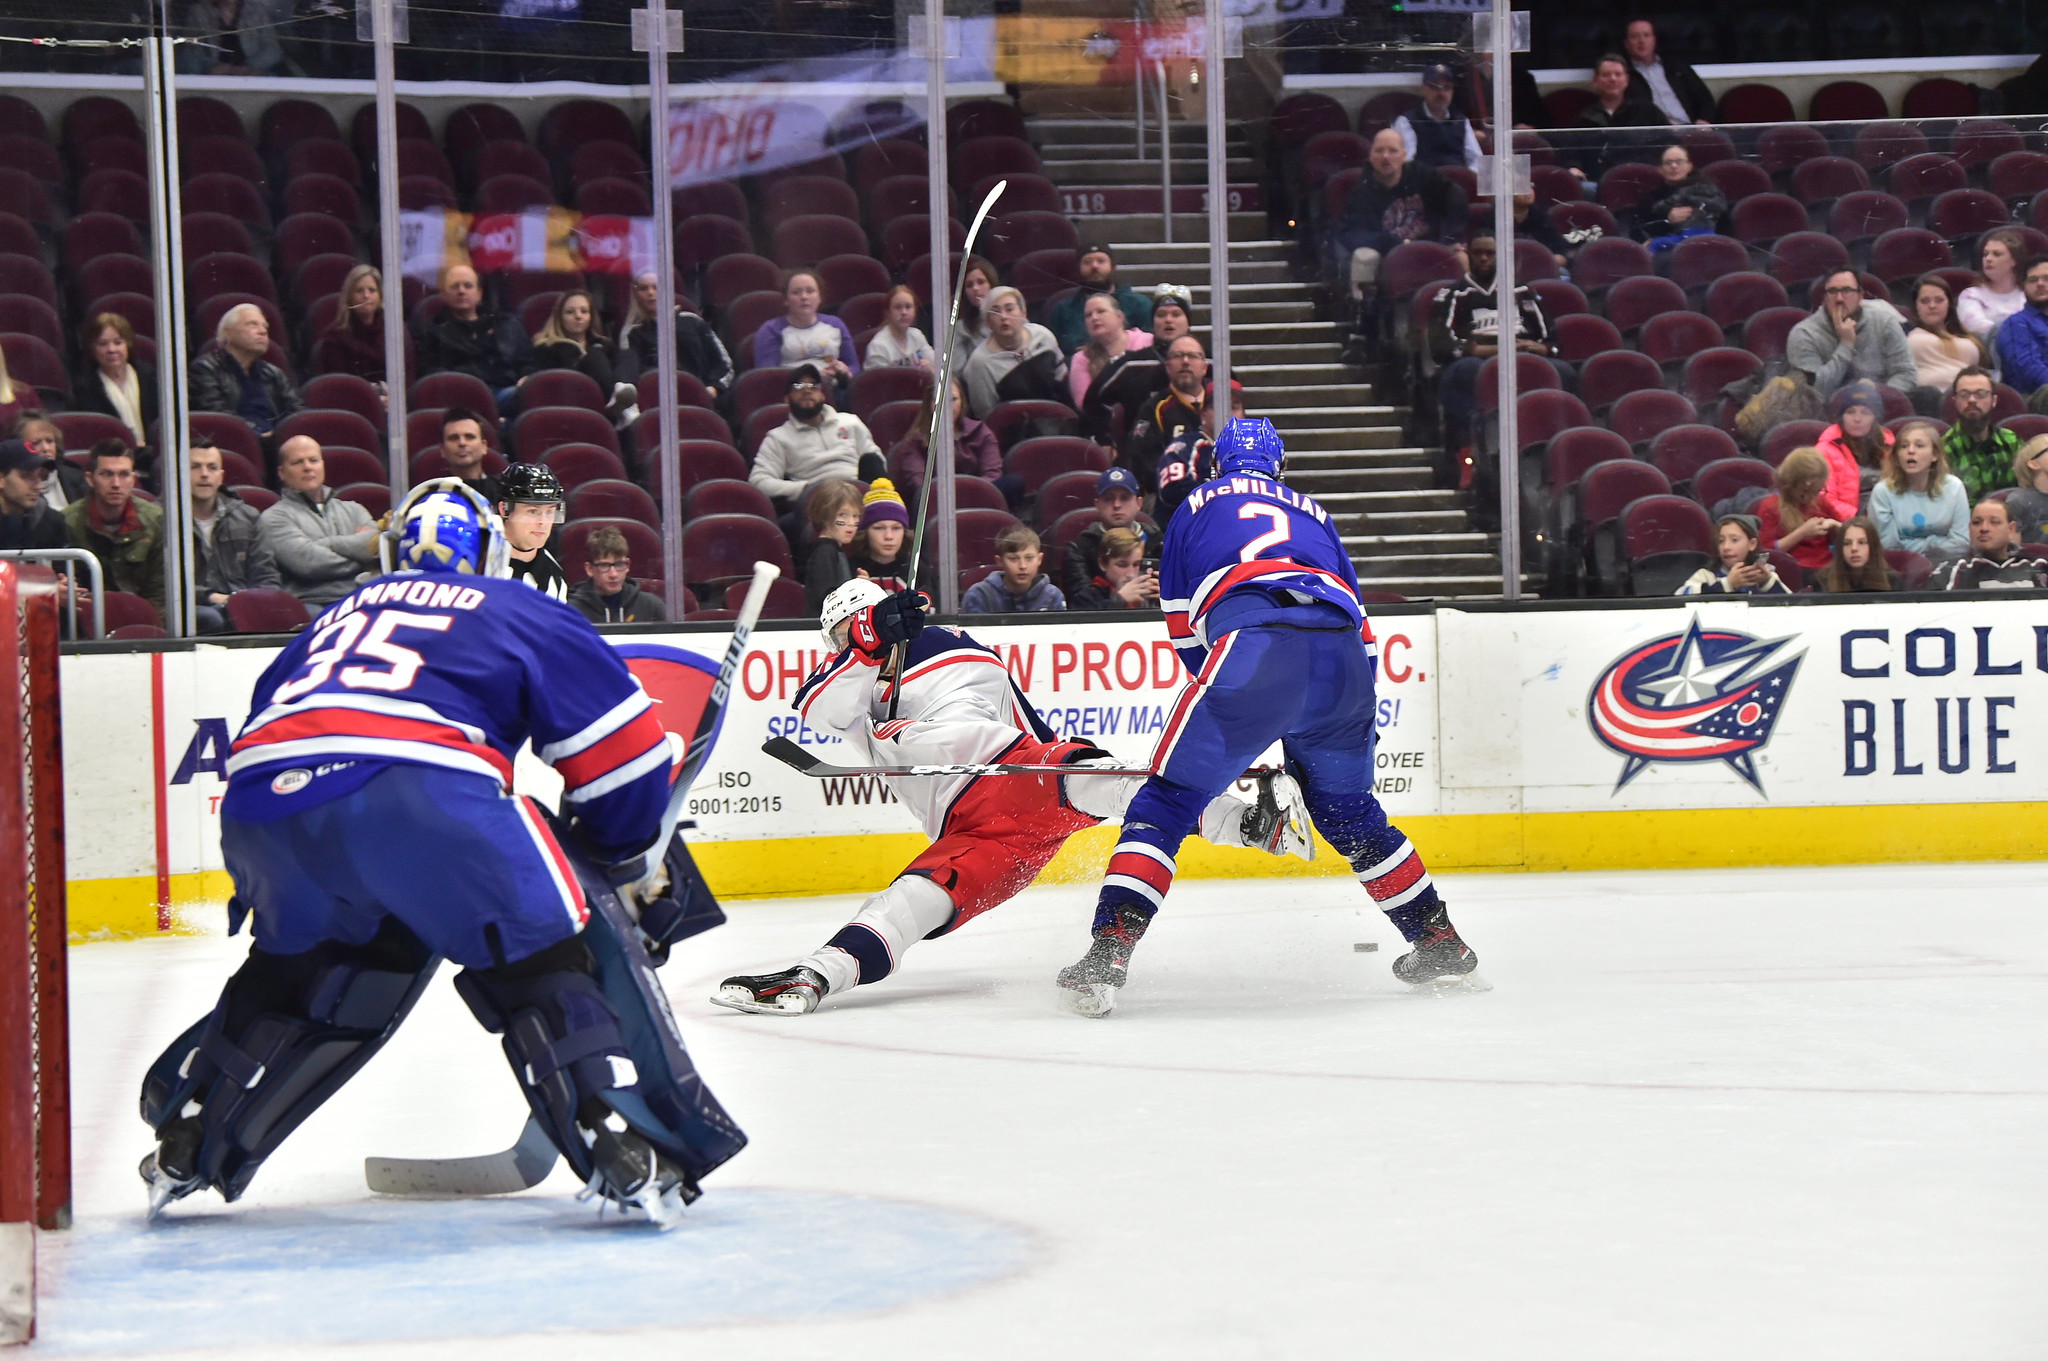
{"points": [[291, 781], [1701, 695]]}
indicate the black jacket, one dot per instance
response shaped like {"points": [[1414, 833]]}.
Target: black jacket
{"points": [[216, 385], [1077, 569], [491, 346], [40, 528], [594, 363], [1692, 92], [88, 393], [1468, 315], [1420, 206], [699, 352], [1594, 154], [1696, 192], [630, 606]]}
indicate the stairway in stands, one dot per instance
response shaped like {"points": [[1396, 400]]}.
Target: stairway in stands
{"points": [[1344, 448]]}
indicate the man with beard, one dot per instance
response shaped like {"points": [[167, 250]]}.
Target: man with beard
{"points": [[1980, 452], [815, 443], [1098, 275]]}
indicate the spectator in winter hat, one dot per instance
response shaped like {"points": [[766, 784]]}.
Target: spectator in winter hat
{"points": [[881, 550]]}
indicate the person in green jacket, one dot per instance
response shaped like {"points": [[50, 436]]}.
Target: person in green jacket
{"points": [[125, 532]]}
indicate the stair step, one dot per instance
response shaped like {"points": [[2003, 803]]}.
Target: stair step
{"points": [[1439, 587], [1266, 396], [1241, 248], [1360, 479], [1132, 173], [1188, 227], [1360, 455], [1467, 543], [1365, 435], [1331, 374], [1450, 521], [1195, 273], [1294, 311], [1278, 356], [1244, 332]]}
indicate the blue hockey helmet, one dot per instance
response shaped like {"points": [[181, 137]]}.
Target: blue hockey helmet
{"points": [[446, 526], [1246, 445]]}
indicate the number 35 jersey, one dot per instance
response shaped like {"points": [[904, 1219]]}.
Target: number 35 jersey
{"points": [[1262, 547], [456, 672]]}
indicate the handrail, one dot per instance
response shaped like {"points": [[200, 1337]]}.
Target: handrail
{"points": [[92, 566]]}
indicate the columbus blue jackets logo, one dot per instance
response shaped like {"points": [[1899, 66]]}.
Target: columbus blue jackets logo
{"points": [[1706, 694]]}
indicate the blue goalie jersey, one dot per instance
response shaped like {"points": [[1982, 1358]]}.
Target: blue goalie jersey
{"points": [[1242, 535]]}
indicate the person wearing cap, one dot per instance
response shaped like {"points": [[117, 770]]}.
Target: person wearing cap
{"points": [[815, 443], [1741, 566], [1097, 267], [881, 547], [26, 520], [1436, 135], [1119, 504], [123, 531], [1173, 316], [1394, 202]]}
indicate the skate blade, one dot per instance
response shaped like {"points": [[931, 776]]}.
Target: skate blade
{"points": [[162, 1189], [1453, 982], [1090, 999], [740, 999]]}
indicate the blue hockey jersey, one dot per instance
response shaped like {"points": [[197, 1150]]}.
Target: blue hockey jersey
{"points": [[455, 672], [1243, 533]]}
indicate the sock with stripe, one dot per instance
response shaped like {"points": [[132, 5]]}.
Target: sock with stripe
{"points": [[871, 946], [1393, 873], [1141, 868]]}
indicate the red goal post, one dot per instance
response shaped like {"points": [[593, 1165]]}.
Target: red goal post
{"points": [[35, 1086]]}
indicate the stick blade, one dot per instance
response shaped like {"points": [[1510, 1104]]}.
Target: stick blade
{"points": [[790, 754], [521, 1167]]}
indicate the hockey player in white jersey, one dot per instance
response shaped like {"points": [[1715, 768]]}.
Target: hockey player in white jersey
{"points": [[954, 702]]}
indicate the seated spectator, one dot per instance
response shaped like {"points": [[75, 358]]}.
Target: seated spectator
{"points": [[699, 351], [1742, 567], [125, 532], [1848, 338], [574, 338], [899, 344], [1019, 587], [610, 595], [1118, 505], [1687, 204], [25, 520], [1941, 347], [15, 398], [1798, 519], [1468, 316], [463, 449], [834, 512], [227, 552], [1920, 504], [1979, 451], [1857, 437], [2022, 342], [65, 483], [1123, 580], [1436, 135], [1167, 424], [881, 550], [804, 335], [467, 337], [814, 444], [1674, 88], [1612, 109], [1096, 368], [531, 503], [354, 341], [1532, 223], [1180, 465], [1994, 562], [1068, 318], [975, 451], [235, 38], [1393, 202], [1020, 358], [979, 280], [1857, 564], [320, 542], [236, 379], [1984, 305], [117, 384], [2029, 505], [1173, 307]]}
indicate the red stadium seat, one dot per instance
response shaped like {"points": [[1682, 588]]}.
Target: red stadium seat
{"points": [[288, 122], [1561, 299], [1698, 261], [759, 388], [1799, 258], [1719, 480], [1641, 416], [1706, 373], [343, 428], [807, 196], [91, 235], [437, 390], [1940, 97], [720, 549], [1782, 439], [1826, 178], [733, 275], [811, 237], [1631, 302], [1671, 338], [883, 160], [223, 156], [728, 496], [1919, 179], [576, 464], [613, 198], [1960, 214], [263, 610], [569, 124], [209, 276], [1880, 146], [1847, 101], [1540, 415], [1580, 337], [1603, 494], [506, 156], [1607, 377], [1532, 374], [347, 465], [1012, 422], [1763, 218], [513, 194], [35, 362], [1681, 451], [1755, 104], [693, 425], [1012, 236], [344, 392], [873, 387], [891, 421], [538, 429], [1665, 540], [1866, 213], [216, 192], [1779, 149], [1763, 335], [1038, 461], [138, 309], [1983, 141], [614, 498], [83, 429], [983, 118], [1575, 452], [1623, 186], [976, 531], [1738, 180], [563, 387], [31, 316], [1608, 261]]}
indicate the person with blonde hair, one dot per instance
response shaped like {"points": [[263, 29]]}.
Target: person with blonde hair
{"points": [[15, 398], [1920, 505], [353, 342], [2029, 505], [899, 344], [117, 384], [1110, 338], [1797, 519], [573, 338], [699, 351], [236, 379], [1014, 342]]}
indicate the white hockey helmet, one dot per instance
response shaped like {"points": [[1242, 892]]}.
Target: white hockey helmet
{"points": [[846, 601]]}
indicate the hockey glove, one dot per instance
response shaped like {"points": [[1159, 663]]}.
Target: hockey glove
{"points": [[881, 626]]}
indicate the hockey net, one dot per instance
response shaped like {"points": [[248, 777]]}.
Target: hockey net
{"points": [[35, 1089]]}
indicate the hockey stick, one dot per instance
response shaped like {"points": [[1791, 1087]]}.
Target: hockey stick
{"points": [[795, 757], [532, 1156]]}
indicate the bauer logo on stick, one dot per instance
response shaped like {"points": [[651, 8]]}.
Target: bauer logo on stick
{"points": [[1701, 695]]}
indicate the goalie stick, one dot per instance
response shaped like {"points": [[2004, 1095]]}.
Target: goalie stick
{"points": [[532, 1156], [795, 757]]}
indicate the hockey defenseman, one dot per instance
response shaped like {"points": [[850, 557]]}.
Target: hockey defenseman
{"points": [[371, 831], [992, 833], [1262, 604]]}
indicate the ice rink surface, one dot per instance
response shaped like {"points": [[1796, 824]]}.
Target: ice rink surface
{"points": [[1782, 1113]]}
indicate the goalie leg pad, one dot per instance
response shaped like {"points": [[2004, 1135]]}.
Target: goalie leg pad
{"points": [[287, 1033]]}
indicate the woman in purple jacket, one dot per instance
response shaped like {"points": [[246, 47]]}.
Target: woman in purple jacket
{"points": [[802, 335]]}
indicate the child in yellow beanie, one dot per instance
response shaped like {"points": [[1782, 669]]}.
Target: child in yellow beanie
{"points": [[881, 551]]}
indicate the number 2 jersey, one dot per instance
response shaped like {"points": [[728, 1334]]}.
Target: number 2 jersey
{"points": [[1245, 550], [455, 672]]}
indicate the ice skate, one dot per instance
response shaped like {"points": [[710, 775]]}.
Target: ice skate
{"points": [[1278, 823], [628, 1172], [1441, 959], [793, 992], [167, 1169], [1088, 986]]}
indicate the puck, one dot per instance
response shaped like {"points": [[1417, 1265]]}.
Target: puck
{"points": [[1366, 947]]}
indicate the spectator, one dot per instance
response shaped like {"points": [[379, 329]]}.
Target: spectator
{"points": [[1180, 465], [125, 532], [1674, 88], [1984, 305], [804, 335], [574, 338], [467, 337], [1469, 315], [1019, 359], [2022, 342], [1941, 347], [1118, 505], [1856, 438], [1111, 343], [1798, 519], [235, 378], [1436, 135], [1848, 338], [1123, 580], [463, 449], [1686, 204], [1393, 202], [1172, 417], [15, 398], [530, 503], [975, 450], [65, 483], [227, 552], [899, 344], [815, 443], [1920, 504], [1611, 108], [320, 542], [975, 285], [1978, 451], [2029, 505], [1857, 564], [25, 521], [699, 351], [879, 550], [1532, 223], [1742, 566], [354, 341], [235, 38], [1994, 562], [1067, 318], [118, 384], [610, 595], [1173, 308], [1019, 587], [834, 512]]}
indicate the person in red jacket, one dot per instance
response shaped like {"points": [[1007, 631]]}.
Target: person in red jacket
{"points": [[1800, 519], [1857, 440]]}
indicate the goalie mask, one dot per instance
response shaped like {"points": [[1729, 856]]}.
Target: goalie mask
{"points": [[445, 526], [1245, 445], [846, 601]]}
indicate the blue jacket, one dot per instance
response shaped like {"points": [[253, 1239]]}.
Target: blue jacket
{"points": [[2023, 348]]}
